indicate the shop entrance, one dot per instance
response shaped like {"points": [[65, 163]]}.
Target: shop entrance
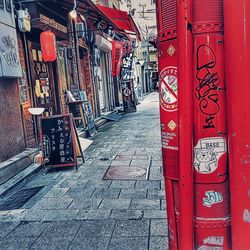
{"points": [[46, 94]]}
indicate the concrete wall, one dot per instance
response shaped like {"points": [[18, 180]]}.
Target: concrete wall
{"points": [[115, 3], [11, 129], [101, 2], [108, 3]]}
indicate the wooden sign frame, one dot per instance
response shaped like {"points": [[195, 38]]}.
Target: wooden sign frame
{"points": [[77, 150], [129, 102]]}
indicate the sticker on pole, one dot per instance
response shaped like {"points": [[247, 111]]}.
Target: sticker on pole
{"points": [[172, 125], [171, 50], [212, 197], [168, 89], [207, 153]]}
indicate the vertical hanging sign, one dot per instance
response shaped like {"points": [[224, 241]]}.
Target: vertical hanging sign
{"points": [[128, 92], [74, 64]]}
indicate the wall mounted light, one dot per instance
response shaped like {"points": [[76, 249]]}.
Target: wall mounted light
{"points": [[36, 111], [81, 29], [73, 13]]}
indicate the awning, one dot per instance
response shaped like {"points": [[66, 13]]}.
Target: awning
{"points": [[61, 8], [93, 16], [121, 19], [88, 9]]}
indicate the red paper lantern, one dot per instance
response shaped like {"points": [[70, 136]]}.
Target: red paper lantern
{"points": [[48, 45]]}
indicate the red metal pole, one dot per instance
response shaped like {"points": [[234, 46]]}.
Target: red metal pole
{"points": [[172, 223], [185, 115], [211, 191], [168, 90], [237, 48]]}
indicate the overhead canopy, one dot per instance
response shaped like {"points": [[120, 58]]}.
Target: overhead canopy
{"points": [[92, 14], [121, 19], [61, 9]]}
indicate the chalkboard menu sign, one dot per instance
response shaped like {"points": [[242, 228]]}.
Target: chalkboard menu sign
{"points": [[128, 96], [58, 140]]}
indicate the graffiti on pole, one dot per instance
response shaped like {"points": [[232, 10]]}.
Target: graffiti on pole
{"points": [[208, 88]]}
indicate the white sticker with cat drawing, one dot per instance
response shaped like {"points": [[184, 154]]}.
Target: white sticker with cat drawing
{"points": [[207, 153]]}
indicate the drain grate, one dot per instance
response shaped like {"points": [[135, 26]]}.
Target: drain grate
{"points": [[18, 199], [104, 159]]}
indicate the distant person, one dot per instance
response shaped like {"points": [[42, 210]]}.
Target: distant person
{"points": [[139, 90], [157, 86]]}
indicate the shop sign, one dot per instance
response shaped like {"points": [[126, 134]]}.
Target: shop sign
{"points": [[74, 63], [127, 61], [9, 55], [52, 23], [126, 74], [127, 64]]}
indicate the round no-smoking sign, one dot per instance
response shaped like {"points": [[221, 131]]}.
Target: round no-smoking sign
{"points": [[169, 88]]}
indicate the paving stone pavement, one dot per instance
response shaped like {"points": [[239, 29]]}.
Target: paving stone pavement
{"points": [[79, 210]]}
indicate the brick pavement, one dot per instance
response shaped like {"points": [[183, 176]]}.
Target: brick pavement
{"points": [[79, 210]]}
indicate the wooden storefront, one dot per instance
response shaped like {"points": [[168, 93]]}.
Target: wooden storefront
{"points": [[47, 83]]}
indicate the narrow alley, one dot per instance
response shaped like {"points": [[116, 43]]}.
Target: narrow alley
{"points": [[81, 210]]}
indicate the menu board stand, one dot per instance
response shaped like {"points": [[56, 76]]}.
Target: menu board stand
{"points": [[59, 142], [89, 118], [76, 109], [128, 96]]}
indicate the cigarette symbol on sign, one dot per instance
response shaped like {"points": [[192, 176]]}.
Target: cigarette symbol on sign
{"points": [[168, 89]]}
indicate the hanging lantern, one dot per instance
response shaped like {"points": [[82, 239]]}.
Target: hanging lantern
{"points": [[48, 45]]}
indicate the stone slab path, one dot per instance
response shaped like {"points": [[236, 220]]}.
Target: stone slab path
{"points": [[79, 210]]}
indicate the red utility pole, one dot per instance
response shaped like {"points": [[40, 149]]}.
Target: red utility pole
{"points": [[185, 117], [237, 48], [168, 90], [211, 191], [196, 126]]}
